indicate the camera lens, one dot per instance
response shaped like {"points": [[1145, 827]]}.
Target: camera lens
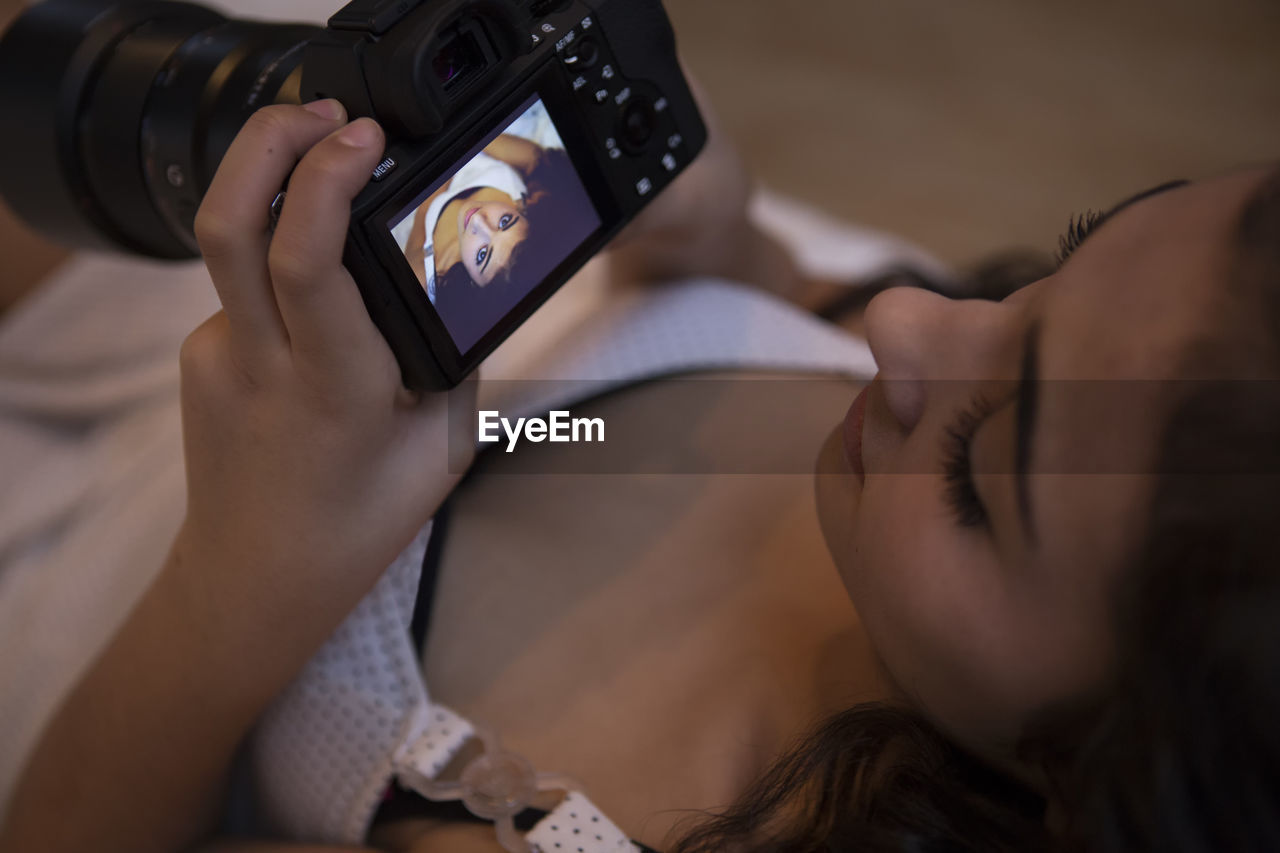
{"points": [[114, 116]]}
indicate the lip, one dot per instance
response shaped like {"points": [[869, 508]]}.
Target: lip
{"points": [[853, 423], [470, 213]]}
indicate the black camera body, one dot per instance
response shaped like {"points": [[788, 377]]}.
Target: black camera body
{"points": [[522, 136], [607, 74]]}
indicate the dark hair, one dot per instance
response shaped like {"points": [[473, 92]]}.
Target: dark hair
{"points": [[1182, 751], [553, 207]]}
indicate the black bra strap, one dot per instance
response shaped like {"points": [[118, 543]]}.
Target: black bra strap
{"points": [[430, 577]]}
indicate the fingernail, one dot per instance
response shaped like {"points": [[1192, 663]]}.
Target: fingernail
{"points": [[328, 108], [361, 133]]}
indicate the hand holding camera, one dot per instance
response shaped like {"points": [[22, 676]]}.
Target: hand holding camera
{"points": [[303, 448]]}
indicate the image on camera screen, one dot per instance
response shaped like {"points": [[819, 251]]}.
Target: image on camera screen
{"points": [[497, 225]]}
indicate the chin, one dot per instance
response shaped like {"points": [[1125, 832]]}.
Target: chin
{"points": [[838, 491]]}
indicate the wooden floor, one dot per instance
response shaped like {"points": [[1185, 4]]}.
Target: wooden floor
{"points": [[976, 125]]}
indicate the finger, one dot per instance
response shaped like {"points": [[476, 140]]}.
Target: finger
{"points": [[323, 313], [232, 226]]}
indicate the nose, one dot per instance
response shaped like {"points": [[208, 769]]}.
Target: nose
{"points": [[923, 342]]}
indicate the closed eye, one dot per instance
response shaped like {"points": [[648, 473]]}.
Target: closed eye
{"points": [[957, 471], [1080, 227], [1078, 230]]}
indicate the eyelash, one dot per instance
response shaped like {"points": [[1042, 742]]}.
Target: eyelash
{"points": [[1078, 229], [957, 470]]}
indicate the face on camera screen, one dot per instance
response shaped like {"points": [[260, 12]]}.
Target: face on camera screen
{"points": [[497, 225]]}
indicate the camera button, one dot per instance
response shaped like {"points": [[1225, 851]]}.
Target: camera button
{"points": [[644, 186], [638, 123], [370, 16], [669, 162], [386, 167], [584, 56]]}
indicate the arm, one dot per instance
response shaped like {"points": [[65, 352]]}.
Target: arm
{"points": [[518, 153], [28, 256], [408, 836], [277, 847], [699, 226], [309, 468], [415, 249]]}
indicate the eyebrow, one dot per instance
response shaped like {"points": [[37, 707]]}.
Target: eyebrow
{"points": [[1026, 410], [1144, 195]]}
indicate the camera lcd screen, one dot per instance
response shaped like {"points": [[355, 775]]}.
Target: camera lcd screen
{"points": [[497, 225]]}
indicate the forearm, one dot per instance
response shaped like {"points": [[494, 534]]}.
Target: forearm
{"points": [[28, 256], [415, 251], [245, 846], [309, 468], [699, 226], [518, 153], [137, 757]]}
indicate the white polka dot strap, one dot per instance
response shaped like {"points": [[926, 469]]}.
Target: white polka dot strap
{"points": [[443, 735], [359, 715], [577, 826], [498, 785]]}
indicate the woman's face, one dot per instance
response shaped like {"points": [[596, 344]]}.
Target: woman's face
{"points": [[985, 590], [488, 233]]}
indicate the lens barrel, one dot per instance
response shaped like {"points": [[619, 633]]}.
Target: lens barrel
{"points": [[114, 116]]}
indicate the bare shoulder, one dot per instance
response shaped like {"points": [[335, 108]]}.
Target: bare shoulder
{"points": [[658, 636], [432, 836]]}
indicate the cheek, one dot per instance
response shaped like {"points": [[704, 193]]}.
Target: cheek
{"points": [[930, 595], [901, 563], [897, 559], [836, 490], [933, 597]]}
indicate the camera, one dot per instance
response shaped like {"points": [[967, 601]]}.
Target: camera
{"points": [[522, 135]]}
